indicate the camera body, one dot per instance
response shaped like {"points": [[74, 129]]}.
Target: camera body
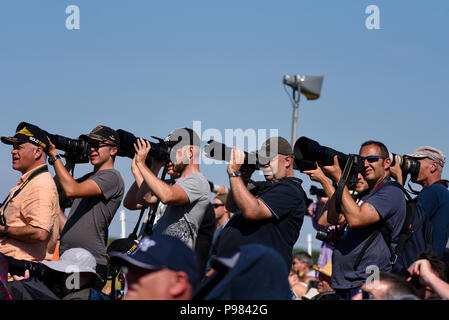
{"points": [[77, 151], [18, 267]]}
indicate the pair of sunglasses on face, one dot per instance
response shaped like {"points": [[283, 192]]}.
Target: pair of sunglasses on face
{"points": [[98, 144], [372, 159], [216, 205]]}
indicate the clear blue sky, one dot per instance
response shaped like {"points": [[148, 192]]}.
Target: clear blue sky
{"points": [[151, 66]]}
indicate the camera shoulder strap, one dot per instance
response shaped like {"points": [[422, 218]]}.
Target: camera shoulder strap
{"points": [[342, 182], [23, 185]]}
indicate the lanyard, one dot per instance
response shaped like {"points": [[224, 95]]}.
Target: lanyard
{"points": [[4, 205]]}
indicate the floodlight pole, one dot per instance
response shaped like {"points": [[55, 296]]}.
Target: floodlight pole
{"points": [[295, 102]]}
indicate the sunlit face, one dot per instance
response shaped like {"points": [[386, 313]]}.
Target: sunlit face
{"points": [[278, 166], [374, 170], [144, 284], [426, 167], [101, 152], [24, 156], [219, 208]]}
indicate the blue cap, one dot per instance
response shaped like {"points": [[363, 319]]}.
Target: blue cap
{"points": [[161, 252]]}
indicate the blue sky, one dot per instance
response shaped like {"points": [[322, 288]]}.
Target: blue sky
{"points": [[151, 66]]}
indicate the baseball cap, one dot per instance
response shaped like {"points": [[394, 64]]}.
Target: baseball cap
{"points": [[184, 137], [161, 252], [102, 133], [26, 132], [74, 260], [222, 197], [272, 147], [429, 152]]}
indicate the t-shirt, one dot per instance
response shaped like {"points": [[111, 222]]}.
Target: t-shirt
{"points": [[183, 221], [389, 202], [434, 199], [89, 218], [280, 232]]}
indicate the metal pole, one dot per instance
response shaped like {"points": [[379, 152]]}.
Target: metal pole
{"points": [[122, 220], [295, 116]]}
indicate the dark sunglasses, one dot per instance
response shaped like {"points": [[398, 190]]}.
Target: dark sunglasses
{"points": [[98, 144], [372, 159], [216, 205]]}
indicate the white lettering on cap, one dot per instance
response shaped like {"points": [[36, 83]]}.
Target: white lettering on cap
{"points": [[145, 244]]}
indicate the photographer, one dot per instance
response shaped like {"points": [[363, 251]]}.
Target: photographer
{"points": [[274, 216], [188, 198], [434, 196], [30, 226], [363, 245], [97, 196]]}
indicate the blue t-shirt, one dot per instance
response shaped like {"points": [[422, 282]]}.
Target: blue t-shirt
{"points": [[389, 202], [434, 199], [286, 202]]}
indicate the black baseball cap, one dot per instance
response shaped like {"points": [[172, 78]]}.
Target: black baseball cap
{"points": [[26, 132], [184, 137], [102, 133]]}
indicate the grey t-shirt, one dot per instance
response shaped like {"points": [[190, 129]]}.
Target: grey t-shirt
{"points": [[89, 218], [183, 221]]}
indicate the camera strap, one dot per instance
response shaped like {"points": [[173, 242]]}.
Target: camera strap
{"points": [[342, 182], [23, 185]]}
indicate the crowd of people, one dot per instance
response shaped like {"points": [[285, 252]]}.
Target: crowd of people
{"points": [[195, 246]]}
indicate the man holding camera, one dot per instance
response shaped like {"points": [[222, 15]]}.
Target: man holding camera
{"points": [[434, 196], [30, 213], [274, 216], [97, 196], [188, 198], [383, 205]]}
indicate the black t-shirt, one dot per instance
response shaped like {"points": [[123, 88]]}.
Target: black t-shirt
{"points": [[286, 201]]}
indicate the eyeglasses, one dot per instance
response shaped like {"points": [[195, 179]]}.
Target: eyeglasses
{"points": [[97, 144], [372, 159], [216, 205]]}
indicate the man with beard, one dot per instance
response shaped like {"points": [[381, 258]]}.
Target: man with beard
{"points": [[188, 198]]}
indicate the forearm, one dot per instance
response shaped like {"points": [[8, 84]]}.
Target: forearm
{"points": [[27, 234], [155, 185], [330, 216], [244, 200], [440, 287], [63, 179]]}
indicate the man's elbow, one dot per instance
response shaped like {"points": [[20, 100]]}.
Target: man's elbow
{"points": [[39, 235]]}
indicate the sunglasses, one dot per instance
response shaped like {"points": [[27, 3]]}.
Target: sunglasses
{"points": [[216, 205], [372, 159], [97, 144]]}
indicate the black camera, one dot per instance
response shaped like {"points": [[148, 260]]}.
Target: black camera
{"points": [[219, 151], [77, 151], [18, 267], [159, 150], [408, 165]]}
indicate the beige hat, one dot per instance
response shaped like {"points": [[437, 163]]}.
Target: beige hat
{"points": [[326, 270], [429, 152]]}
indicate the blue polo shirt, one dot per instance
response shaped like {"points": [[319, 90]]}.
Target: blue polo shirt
{"points": [[390, 203], [434, 199]]}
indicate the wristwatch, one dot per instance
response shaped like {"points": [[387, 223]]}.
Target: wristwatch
{"points": [[235, 174], [52, 160]]}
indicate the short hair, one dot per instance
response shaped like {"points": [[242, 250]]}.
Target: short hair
{"points": [[304, 257], [383, 149], [397, 285], [438, 264]]}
